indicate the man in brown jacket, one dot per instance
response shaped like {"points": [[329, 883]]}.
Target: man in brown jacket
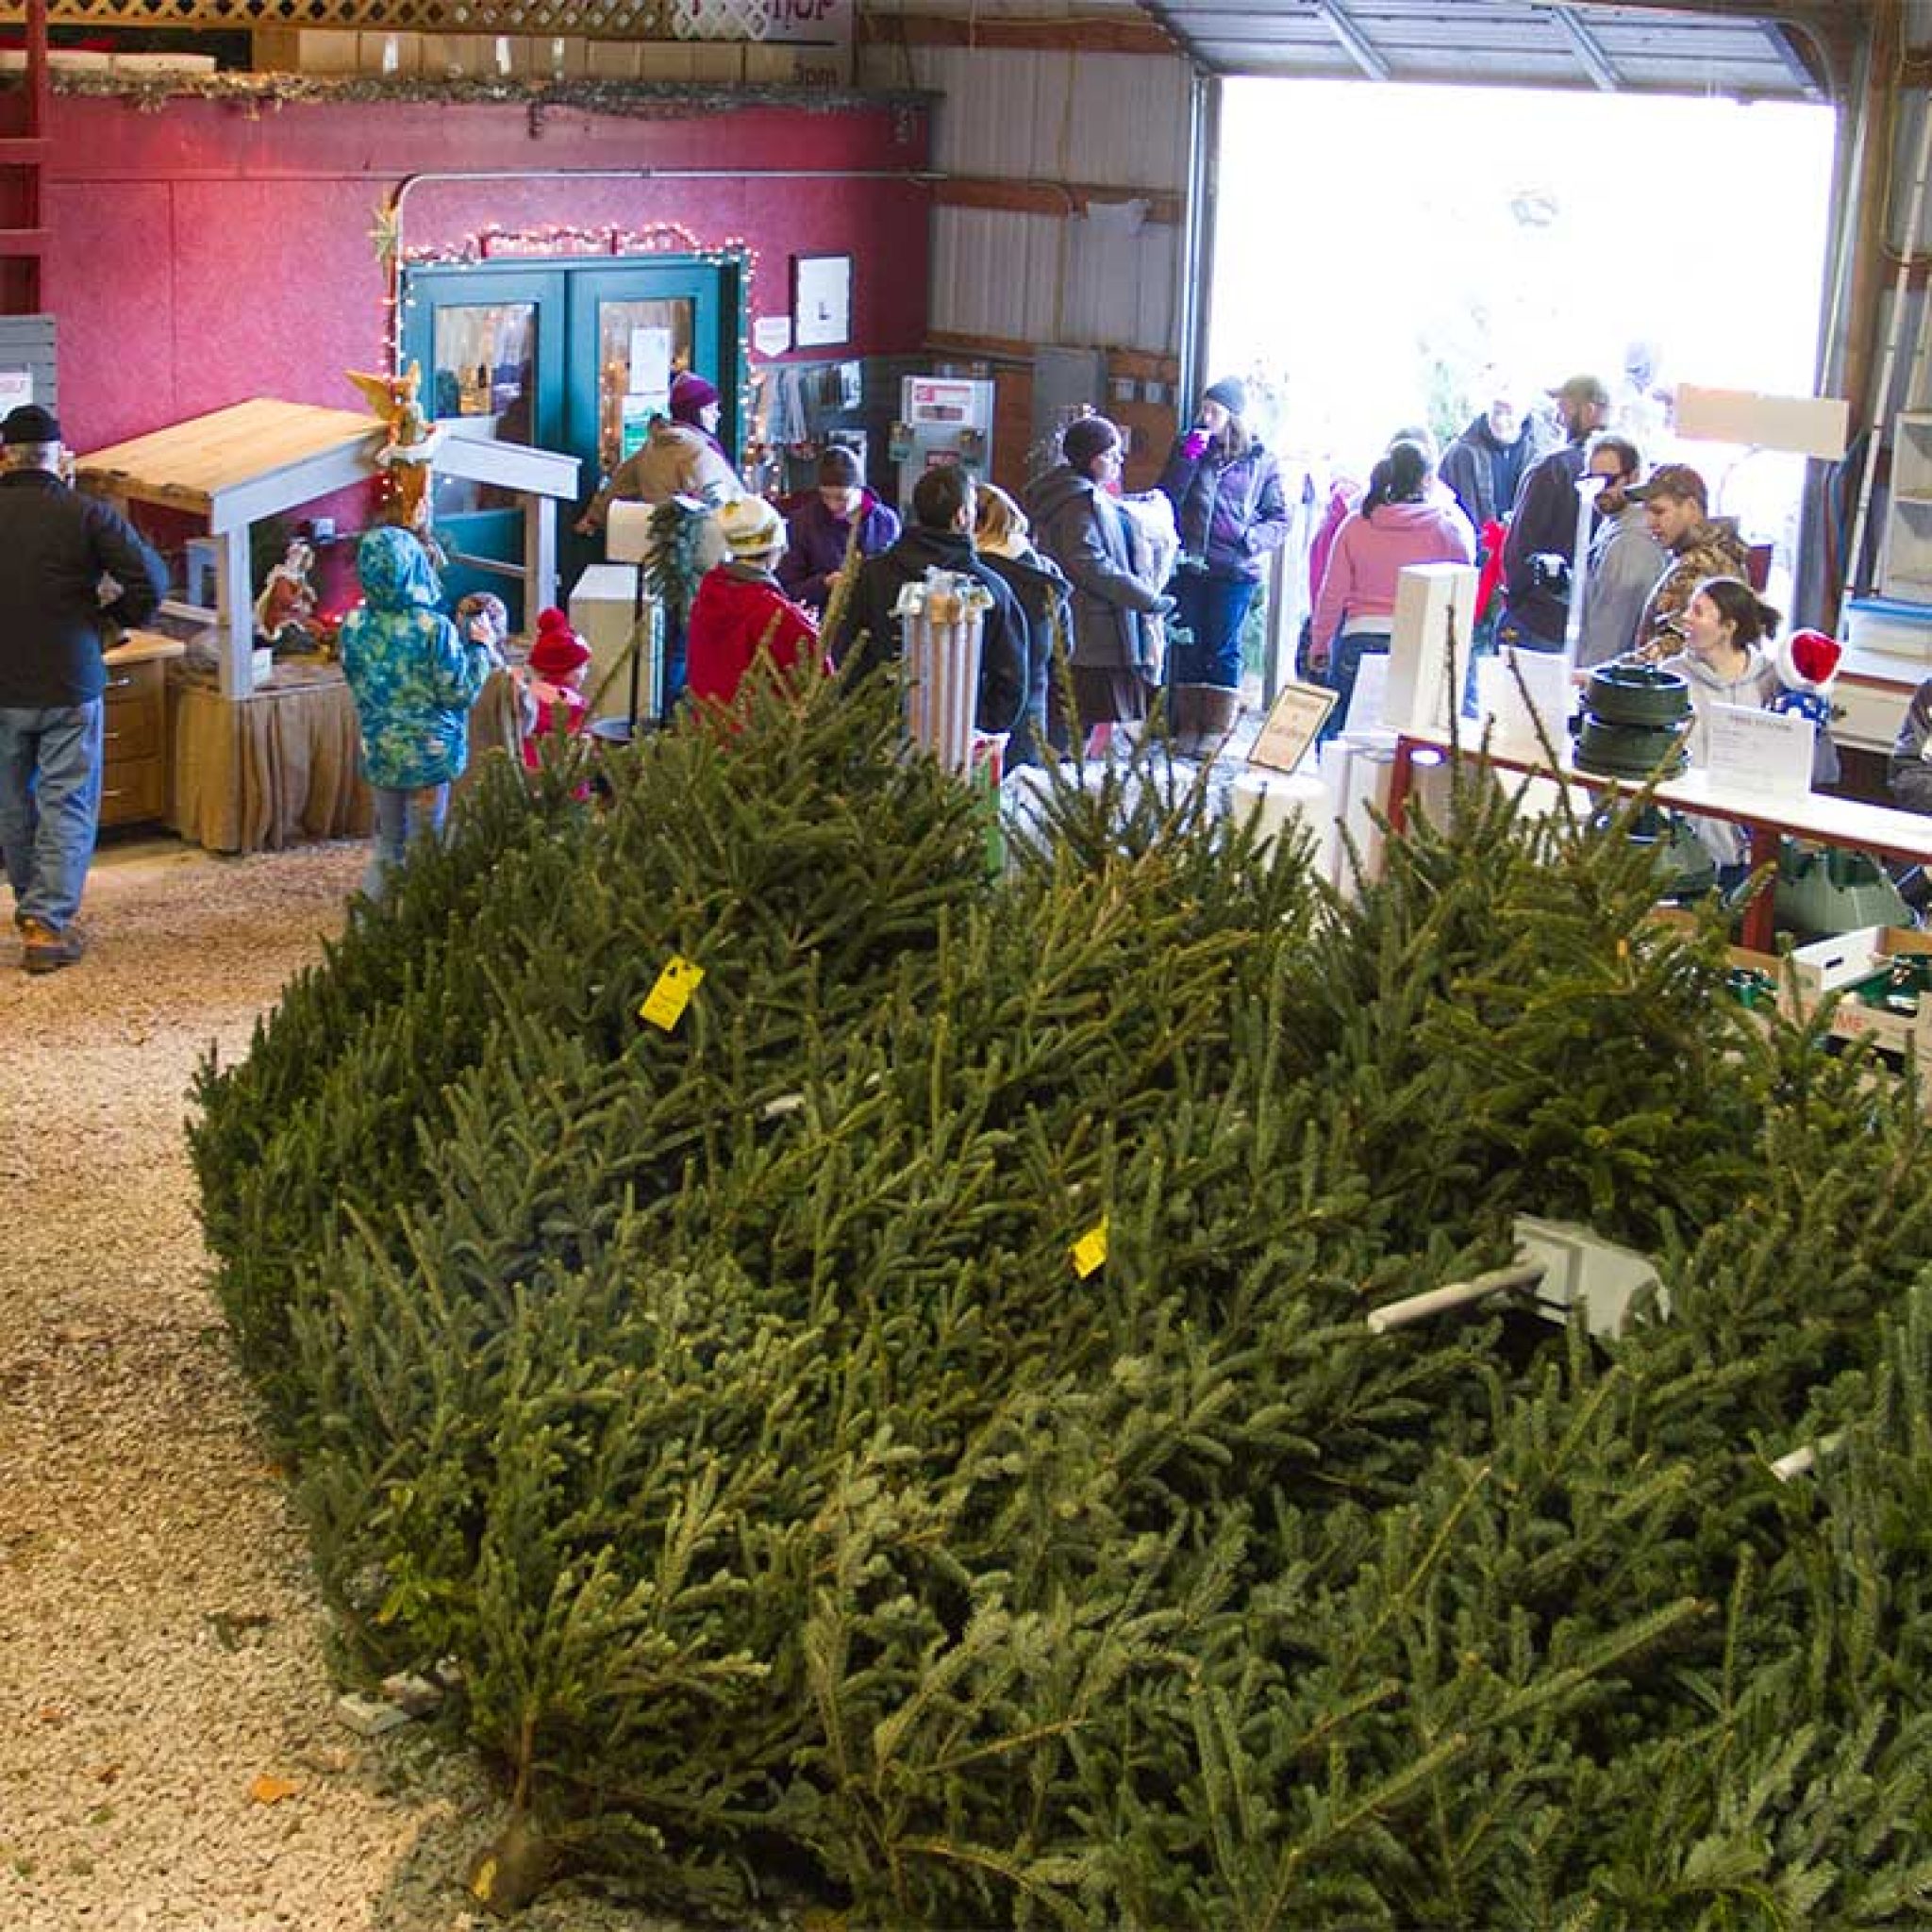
{"points": [[1676, 508]]}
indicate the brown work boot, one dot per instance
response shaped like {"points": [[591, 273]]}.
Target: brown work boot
{"points": [[44, 950]]}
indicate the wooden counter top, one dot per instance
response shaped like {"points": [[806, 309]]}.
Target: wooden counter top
{"points": [[144, 647]]}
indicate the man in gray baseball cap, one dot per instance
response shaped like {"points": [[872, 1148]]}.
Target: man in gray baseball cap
{"points": [[1540, 548]]}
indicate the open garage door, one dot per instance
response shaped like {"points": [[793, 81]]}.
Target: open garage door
{"points": [[1513, 206], [1720, 47]]}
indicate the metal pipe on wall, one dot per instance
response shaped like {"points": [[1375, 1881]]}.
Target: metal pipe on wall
{"points": [[1881, 397]]}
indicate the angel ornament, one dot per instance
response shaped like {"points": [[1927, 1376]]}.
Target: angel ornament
{"points": [[412, 439]]}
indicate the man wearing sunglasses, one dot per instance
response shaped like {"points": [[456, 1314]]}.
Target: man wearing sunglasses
{"points": [[1625, 560]]}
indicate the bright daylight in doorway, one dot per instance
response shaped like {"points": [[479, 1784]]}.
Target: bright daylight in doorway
{"points": [[1384, 254]]}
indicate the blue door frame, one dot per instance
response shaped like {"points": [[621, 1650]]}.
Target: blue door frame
{"points": [[565, 392]]}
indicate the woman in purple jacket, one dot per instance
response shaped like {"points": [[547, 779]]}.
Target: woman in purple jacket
{"points": [[1227, 503], [818, 532]]}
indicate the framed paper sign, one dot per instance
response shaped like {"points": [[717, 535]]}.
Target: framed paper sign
{"points": [[1293, 719], [821, 300]]}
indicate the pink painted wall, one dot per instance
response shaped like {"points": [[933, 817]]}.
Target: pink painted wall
{"points": [[212, 252]]}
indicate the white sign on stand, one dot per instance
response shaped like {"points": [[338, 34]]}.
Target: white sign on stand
{"points": [[1293, 719], [1768, 753]]}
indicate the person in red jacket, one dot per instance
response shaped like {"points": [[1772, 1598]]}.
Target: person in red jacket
{"points": [[740, 608]]}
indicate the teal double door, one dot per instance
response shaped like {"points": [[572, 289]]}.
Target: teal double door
{"points": [[567, 355]]}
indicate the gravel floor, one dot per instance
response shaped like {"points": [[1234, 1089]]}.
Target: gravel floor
{"points": [[160, 1637]]}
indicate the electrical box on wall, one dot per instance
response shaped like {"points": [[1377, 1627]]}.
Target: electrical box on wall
{"points": [[26, 362], [942, 419]]}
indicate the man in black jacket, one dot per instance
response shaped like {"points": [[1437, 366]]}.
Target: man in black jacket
{"points": [[1541, 550], [940, 538], [55, 548]]}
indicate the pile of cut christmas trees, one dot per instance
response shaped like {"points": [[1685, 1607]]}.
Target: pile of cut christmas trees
{"points": [[897, 1428]]}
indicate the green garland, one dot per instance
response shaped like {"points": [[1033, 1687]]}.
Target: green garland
{"points": [[649, 100]]}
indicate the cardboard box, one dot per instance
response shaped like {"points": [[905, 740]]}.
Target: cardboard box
{"points": [[1742, 957], [1838, 964], [304, 50], [613, 59], [392, 53]]}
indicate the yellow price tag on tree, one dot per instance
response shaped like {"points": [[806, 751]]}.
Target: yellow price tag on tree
{"points": [[665, 1002], [1089, 1251]]}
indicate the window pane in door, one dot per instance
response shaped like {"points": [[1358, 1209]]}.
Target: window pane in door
{"points": [[640, 346], [482, 383]]}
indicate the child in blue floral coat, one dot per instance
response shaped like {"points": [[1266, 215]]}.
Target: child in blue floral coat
{"points": [[413, 678]]}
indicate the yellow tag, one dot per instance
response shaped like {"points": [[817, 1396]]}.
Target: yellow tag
{"points": [[665, 1002], [1089, 1251]]}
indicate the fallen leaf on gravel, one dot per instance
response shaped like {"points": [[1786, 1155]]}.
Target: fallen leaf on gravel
{"points": [[107, 1774], [229, 1625], [271, 1791]]}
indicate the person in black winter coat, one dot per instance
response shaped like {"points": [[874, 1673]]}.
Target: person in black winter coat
{"points": [[940, 538], [1039, 586], [1078, 523], [55, 548]]}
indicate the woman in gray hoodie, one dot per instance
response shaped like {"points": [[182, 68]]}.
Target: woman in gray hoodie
{"points": [[1726, 660]]}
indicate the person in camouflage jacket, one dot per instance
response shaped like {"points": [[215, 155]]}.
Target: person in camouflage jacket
{"points": [[1677, 508]]}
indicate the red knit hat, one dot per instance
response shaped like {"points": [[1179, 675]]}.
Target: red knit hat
{"points": [[558, 650]]}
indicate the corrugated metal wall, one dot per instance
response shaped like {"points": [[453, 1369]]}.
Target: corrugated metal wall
{"points": [[1051, 119]]}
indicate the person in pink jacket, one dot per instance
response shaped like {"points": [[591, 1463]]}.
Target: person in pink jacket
{"points": [[1402, 520]]}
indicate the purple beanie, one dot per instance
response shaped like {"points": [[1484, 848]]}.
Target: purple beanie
{"points": [[689, 394]]}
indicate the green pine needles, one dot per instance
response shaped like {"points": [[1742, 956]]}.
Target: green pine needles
{"points": [[723, 1398]]}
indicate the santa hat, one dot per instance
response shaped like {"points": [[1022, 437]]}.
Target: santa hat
{"points": [[558, 650], [1809, 660]]}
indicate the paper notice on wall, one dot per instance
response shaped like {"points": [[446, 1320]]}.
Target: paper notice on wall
{"points": [[650, 367], [16, 387], [1768, 753]]}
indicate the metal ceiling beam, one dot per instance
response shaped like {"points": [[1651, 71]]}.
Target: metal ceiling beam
{"points": [[1336, 18], [1584, 44]]}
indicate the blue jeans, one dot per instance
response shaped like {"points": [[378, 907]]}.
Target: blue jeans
{"points": [[1351, 647], [1212, 610], [402, 817], [50, 803]]}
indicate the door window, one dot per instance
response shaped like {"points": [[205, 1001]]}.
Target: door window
{"points": [[640, 346], [483, 377]]}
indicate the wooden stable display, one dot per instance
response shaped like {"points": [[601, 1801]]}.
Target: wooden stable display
{"points": [[234, 468], [246, 768]]}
